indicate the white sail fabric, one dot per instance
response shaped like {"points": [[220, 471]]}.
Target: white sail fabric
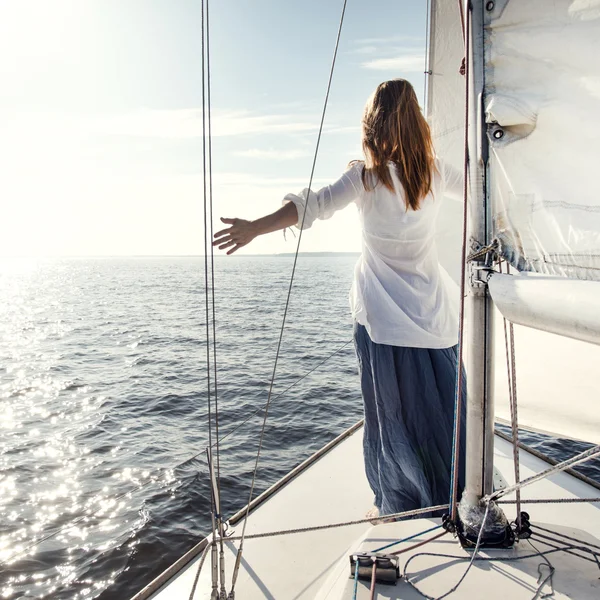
{"points": [[542, 80], [446, 117], [557, 387], [542, 92]]}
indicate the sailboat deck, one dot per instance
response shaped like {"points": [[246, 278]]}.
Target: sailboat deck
{"points": [[334, 489]]}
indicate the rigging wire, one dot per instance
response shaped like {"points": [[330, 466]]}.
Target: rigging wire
{"points": [[287, 303], [212, 251], [571, 462], [427, 69], [396, 516], [511, 367], [461, 317], [287, 389], [216, 519]]}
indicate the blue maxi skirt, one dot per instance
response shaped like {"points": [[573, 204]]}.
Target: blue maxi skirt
{"points": [[409, 397]]}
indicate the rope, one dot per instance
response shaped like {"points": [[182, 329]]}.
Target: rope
{"points": [[548, 579], [461, 317], [551, 501], [373, 580], [542, 539], [512, 395], [567, 537], [412, 537], [461, 10], [473, 557], [395, 516], [486, 559], [419, 544], [287, 303], [355, 592], [483, 252], [548, 459], [575, 460], [200, 564]]}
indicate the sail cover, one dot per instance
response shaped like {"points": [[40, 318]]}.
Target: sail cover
{"points": [[542, 92], [542, 81]]}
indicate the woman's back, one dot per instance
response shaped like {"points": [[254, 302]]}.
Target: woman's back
{"points": [[400, 293]]}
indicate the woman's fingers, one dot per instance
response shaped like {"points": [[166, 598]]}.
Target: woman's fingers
{"points": [[226, 220], [222, 232], [236, 247], [219, 239], [226, 245]]}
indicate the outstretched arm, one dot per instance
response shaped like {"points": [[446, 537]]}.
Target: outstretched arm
{"points": [[242, 232]]}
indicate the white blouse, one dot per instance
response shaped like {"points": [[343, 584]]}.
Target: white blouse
{"points": [[400, 292]]}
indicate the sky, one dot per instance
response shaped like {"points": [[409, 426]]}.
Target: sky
{"points": [[101, 123]]}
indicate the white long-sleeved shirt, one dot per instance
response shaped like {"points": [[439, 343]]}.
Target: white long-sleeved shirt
{"points": [[400, 293]]}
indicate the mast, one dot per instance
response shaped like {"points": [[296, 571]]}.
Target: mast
{"points": [[479, 306], [479, 309]]}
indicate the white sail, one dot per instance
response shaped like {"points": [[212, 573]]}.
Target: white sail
{"points": [[542, 89], [542, 93], [542, 82], [446, 116]]}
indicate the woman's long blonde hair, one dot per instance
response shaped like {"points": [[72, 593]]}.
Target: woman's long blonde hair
{"points": [[394, 130]]}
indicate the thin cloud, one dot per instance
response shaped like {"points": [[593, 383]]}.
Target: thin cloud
{"points": [[251, 180], [363, 50], [408, 63], [187, 123], [413, 39], [279, 155]]}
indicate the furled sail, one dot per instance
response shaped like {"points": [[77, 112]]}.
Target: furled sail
{"points": [[542, 94], [542, 88]]}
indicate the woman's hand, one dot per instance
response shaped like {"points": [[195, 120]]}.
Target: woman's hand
{"points": [[240, 233]]}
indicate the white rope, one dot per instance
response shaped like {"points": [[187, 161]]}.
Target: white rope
{"points": [[575, 460], [551, 501], [395, 516], [511, 368], [200, 564]]}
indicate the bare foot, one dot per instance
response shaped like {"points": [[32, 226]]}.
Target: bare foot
{"points": [[373, 513]]}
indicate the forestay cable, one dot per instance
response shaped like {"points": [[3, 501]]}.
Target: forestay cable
{"points": [[216, 518], [287, 303]]}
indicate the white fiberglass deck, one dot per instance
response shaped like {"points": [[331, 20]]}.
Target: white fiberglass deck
{"points": [[334, 489]]}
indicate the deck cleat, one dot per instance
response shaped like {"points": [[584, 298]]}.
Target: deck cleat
{"points": [[386, 567]]}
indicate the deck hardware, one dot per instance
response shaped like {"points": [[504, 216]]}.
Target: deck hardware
{"points": [[387, 569], [522, 529], [448, 524], [498, 134], [490, 6]]}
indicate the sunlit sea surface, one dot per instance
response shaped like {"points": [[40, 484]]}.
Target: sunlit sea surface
{"points": [[103, 407]]}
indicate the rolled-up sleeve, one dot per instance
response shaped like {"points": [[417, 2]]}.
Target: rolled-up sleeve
{"points": [[328, 200], [453, 182]]}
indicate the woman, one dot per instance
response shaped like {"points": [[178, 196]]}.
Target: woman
{"points": [[406, 328]]}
